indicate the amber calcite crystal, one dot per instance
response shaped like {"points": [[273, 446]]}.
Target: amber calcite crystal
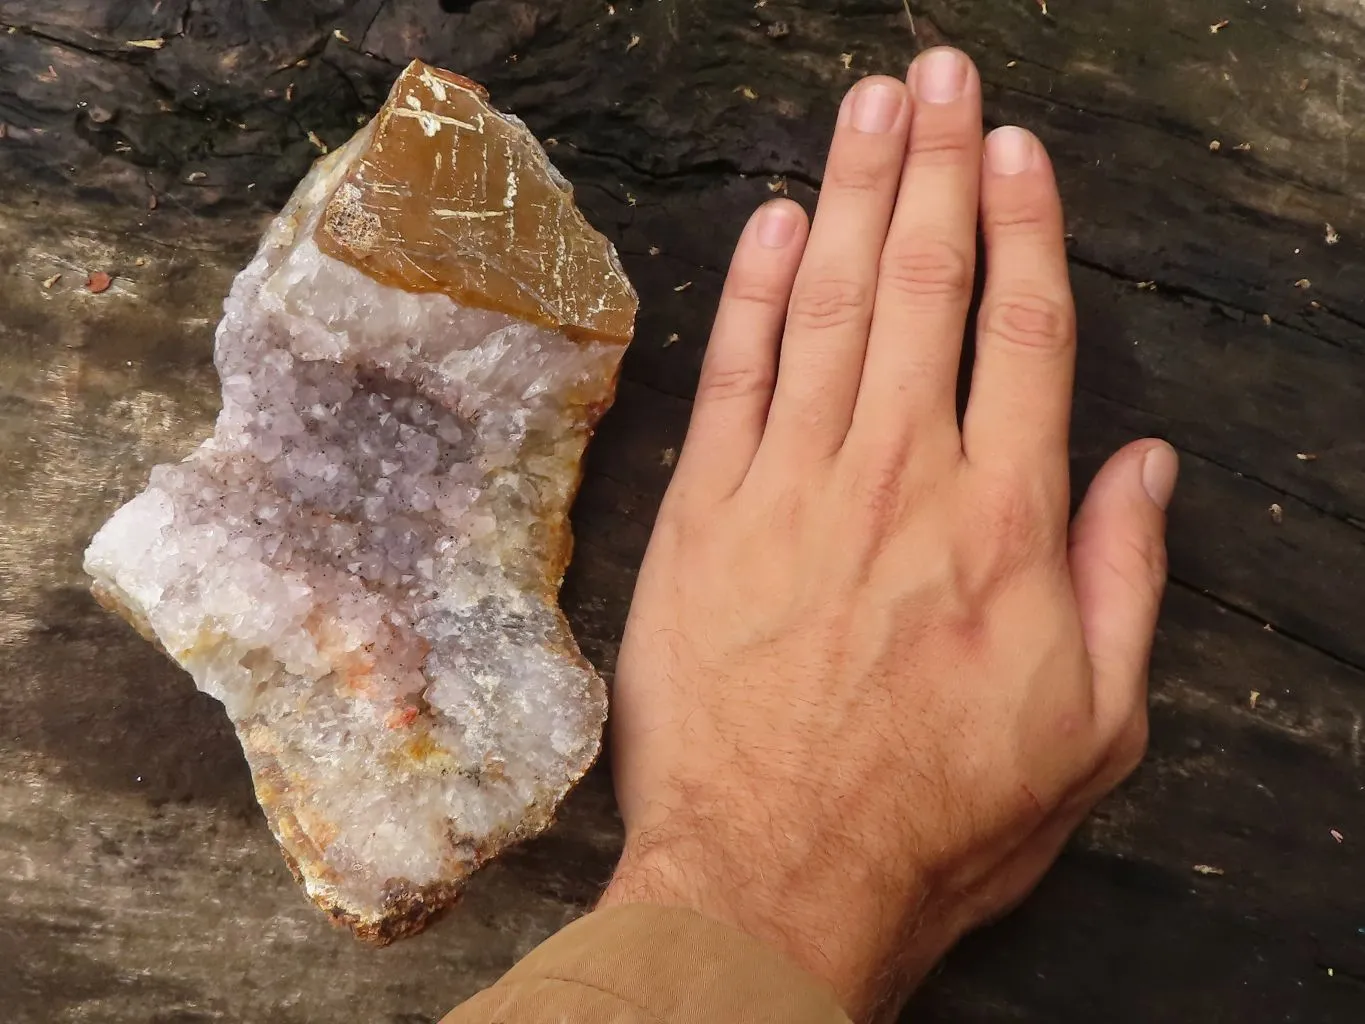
{"points": [[363, 562]]}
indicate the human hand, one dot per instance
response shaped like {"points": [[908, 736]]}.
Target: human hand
{"points": [[872, 678]]}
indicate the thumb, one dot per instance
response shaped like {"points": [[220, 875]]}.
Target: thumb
{"points": [[1118, 570]]}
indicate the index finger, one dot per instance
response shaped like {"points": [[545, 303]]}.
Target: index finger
{"points": [[1019, 410]]}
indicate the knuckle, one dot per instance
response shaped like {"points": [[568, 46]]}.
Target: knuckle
{"points": [[828, 302], [734, 382], [1029, 321], [752, 290], [1012, 521], [878, 488], [930, 147], [1025, 215], [859, 173], [926, 268], [1130, 746]]}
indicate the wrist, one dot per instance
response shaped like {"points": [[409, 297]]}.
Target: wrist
{"points": [[866, 939]]}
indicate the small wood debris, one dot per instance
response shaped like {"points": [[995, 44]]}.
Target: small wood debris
{"points": [[779, 30], [654, 250], [746, 92], [1218, 26], [1306, 456], [634, 41], [1333, 237], [147, 44], [1315, 305], [1265, 319], [1338, 837], [51, 281], [340, 36], [98, 283], [1042, 6], [1242, 147], [195, 177], [1303, 283], [318, 143], [1208, 869], [1011, 63], [1254, 699], [672, 339], [778, 186], [846, 59], [668, 457], [1277, 513], [682, 287], [141, 261], [49, 76], [289, 93], [1146, 286], [302, 62], [1215, 146]]}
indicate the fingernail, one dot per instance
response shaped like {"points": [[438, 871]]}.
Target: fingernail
{"points": [[1160, 467], [940, 76], [876, 105], [776, 225], [1010, 150]]}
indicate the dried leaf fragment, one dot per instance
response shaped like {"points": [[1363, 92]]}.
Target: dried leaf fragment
{"points": [[1337, 835], [1265, 319], [1306, 457], [634, 41], [147, 44], [98, 283], [1303, 283], [1218, 26], [654, 250], [1254, 699], [846, 59], [1332, 235], [746, 92], [51, 281], [340, 36], [1277, 513], [1208, 869], [672, 339], [1215, 146]]}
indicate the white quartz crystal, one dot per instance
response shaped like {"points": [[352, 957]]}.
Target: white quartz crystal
{"points": [[362, 563]]}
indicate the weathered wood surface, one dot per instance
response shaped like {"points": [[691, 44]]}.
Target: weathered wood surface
{"points": [[138, 880]]}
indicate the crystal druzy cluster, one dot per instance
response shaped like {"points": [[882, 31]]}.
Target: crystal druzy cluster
{"points": [[363, 562]]}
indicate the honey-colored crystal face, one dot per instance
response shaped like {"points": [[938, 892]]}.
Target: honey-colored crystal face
{"points": [[452, 196]]}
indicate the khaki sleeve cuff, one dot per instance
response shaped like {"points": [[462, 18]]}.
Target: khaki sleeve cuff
{"points": [[653, 965]]}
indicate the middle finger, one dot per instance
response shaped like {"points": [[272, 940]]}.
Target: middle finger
{"points": [[925, 285]]}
